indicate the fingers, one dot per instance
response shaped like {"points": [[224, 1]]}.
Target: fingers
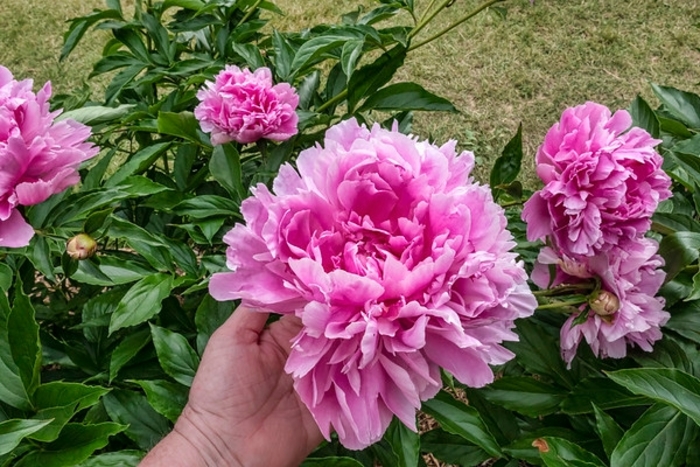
{"points": [[244, 326]]}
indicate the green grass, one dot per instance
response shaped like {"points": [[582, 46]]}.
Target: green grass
{"points": [[499, 72]]}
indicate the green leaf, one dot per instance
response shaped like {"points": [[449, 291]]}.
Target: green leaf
{"points": [[661, 437], [685, 320], [311, 50], [452, 449], [225, 167], [142, 301], [365, 81], [507, 166], [23, 333], [12, 432], [76, 443], [39, 253], [352, 51], [284, 54], [602, 392], [539, 352], [168, 399], [404, 442], [97, 114], [133, 42], [194, 5], [183, 125], [666, 354], [204, 206], [669, 386], [308, 88], [406, 96], [138, 162], [525, 395], [683, 105], [6, 275], [109, 271], [176, 356], [59, 402], [679, 250], [459, 419], [124, 458], [644, 117], [609, 431], [250, 53], [564, 453], [209, 316], [150, 246], [79, 27], [126, 350], [12, 388], [145, 426]]}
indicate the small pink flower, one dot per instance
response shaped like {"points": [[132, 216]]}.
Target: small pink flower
{"points": [[627, 311], [397, 264], [38, 157], [245, 107], [603, 181]]}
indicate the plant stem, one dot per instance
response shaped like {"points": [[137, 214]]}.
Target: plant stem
{"points": [[427, 10], [428, 18], [333, 100], [554, 305], [461, 20], [249, 12], [565, 289]]}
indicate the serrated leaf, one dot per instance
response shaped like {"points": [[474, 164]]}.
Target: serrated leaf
{"points": [[661, 437], [459, 419], [176, 356], [142, 301], [669, 386]]}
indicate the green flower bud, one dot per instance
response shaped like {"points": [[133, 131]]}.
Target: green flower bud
{"points": [[81, 246]]}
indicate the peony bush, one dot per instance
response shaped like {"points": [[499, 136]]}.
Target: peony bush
{"points": [[444, 319]]}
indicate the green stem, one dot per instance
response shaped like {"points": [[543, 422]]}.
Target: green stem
{"points": [[555, 305], [565, 289], [333, 100], [512, 203], [427, 10], [428, 18], [662, 229], [249, 12], [461, 20]]}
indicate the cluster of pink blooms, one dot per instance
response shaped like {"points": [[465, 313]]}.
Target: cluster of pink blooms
{"points": [[244, 106], [38, 157], [397, 263], [603, 181]]}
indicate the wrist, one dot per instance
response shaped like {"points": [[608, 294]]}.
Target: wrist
{"points": [[191, 444]]}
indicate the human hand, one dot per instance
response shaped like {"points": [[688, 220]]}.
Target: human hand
{"points": [[242, 408]]}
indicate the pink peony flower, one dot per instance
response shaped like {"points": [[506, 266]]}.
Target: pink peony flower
{"points": [[245, 107], [397, 264], [625, 312], [602, 183], [38, 157]]}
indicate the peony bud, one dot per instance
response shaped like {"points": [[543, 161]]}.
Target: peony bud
{"points": [[574, 268], [81, 246], [604, 303]]}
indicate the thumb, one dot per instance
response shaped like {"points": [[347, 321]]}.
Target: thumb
{"points": [[244, 326]]}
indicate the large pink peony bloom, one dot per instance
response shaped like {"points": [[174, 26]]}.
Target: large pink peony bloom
{"points": [[626, 312], [38, 157], [396, 263], [602, 183], [245, 107]]}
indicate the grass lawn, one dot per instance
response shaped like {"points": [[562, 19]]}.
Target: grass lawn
{"points": [[499, 72]]}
